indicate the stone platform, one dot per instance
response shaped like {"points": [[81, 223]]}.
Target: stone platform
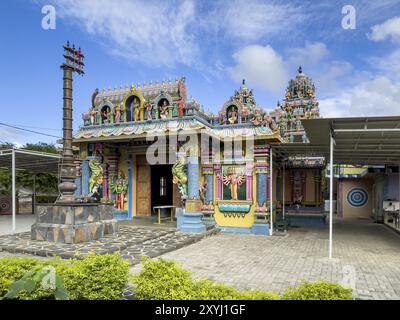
{"points": [[73, 223], [132, 242]]}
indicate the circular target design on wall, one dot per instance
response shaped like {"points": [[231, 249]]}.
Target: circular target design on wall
{"points": [[5, 205], [357, 197]]}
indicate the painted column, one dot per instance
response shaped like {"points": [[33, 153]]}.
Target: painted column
{"points": [[208, 172], [112, 173], [78, 179], [261, 186], [105, 181], [249, 181], [130, 184], [85, 177], [217, 170], [192, 218], [193, 178]]}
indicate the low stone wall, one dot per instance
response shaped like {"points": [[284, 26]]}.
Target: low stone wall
{"points": [[73, 223]]}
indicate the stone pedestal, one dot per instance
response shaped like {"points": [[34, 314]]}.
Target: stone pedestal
{"points": [[74, 222], [192, 218]]}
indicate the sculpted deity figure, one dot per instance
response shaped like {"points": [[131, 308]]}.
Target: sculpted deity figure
{"points": [[257, 118], [136, 109], [179, 173], [96, 178], [181, 107], [106, 115], [234, 179], [117, 112], [94, 96], [221, 118], [120, 187], [298, 124], [149, 109], [164, 110], [232, 115], [92, 113]]}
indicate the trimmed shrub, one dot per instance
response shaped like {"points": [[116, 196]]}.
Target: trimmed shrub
{"points": [[95, 277], [166, 280], [321, 290], [162, 280]]}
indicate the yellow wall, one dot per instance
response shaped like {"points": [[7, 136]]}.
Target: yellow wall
{"points": [[239, 222]]}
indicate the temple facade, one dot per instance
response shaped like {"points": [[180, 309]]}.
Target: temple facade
{"points": [[149, 145]]}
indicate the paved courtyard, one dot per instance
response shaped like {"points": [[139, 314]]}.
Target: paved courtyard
{"points": [[132, 241], [364, 251], [23, 223]]}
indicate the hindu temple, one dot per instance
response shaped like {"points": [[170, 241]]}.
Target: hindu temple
{"points": [[149, 145]]}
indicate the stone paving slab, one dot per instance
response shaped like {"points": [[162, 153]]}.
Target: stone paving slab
{"points": [[132, 242], [366, 255]]}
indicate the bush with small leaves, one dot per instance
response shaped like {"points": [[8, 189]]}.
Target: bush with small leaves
{"points": [[321, 290]]}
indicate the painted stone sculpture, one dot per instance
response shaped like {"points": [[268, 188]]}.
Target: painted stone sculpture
{"points": [[234, 179], [120, 188], [96, 178], [179, 176]]}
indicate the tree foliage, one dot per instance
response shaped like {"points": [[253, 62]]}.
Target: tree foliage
{"points": [[43, 182]]}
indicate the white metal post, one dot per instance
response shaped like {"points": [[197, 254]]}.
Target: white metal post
{"points": [[330, 195], [270, 193], [283, 192], [13, 188]]}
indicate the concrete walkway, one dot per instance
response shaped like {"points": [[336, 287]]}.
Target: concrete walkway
{"points": [[366, 257], [23, 223]]}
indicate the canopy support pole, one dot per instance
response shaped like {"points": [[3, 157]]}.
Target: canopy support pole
{"points": [[13, 189], [270, 193], [283, 192], [330, 195]]}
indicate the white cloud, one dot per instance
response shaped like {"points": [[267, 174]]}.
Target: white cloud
{"points": [[152, 32], [261, 66], [376, 97], [389, 29], [388, 65], [309, 55], [10, 135], [255, 19]]}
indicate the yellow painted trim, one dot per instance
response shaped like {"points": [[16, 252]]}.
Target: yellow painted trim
{"points": [[134, 92], [134, 186]]}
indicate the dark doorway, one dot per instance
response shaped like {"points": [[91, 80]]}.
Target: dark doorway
{"points": [[161, 185]]}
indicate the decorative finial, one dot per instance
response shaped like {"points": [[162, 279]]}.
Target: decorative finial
{"points": [[300, 70], [244, 82]]}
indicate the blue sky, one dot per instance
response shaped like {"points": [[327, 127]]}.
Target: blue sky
{"points": [[213, 43]]}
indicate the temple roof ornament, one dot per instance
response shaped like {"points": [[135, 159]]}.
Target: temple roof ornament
{"points": [[300, 103]]}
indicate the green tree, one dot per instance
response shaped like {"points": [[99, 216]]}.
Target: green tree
{"points": [[43, 182]]}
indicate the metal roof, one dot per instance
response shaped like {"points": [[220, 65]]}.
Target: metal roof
{"points": [[358, 141], [32, 161]]}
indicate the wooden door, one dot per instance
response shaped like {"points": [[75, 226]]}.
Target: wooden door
{"points": [[143, 190]]}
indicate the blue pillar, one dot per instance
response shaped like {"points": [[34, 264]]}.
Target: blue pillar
{"points": [[85, 177], [192, 218], [193, 177], [209, 188], [261, 189], [78, 182]]}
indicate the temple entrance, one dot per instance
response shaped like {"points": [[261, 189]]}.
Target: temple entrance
{"points": [[143, 188], [161, 185]]}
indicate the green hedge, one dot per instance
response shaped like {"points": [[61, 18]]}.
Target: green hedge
{"points": [[96, 277], [321, 290], [166, 280]]}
